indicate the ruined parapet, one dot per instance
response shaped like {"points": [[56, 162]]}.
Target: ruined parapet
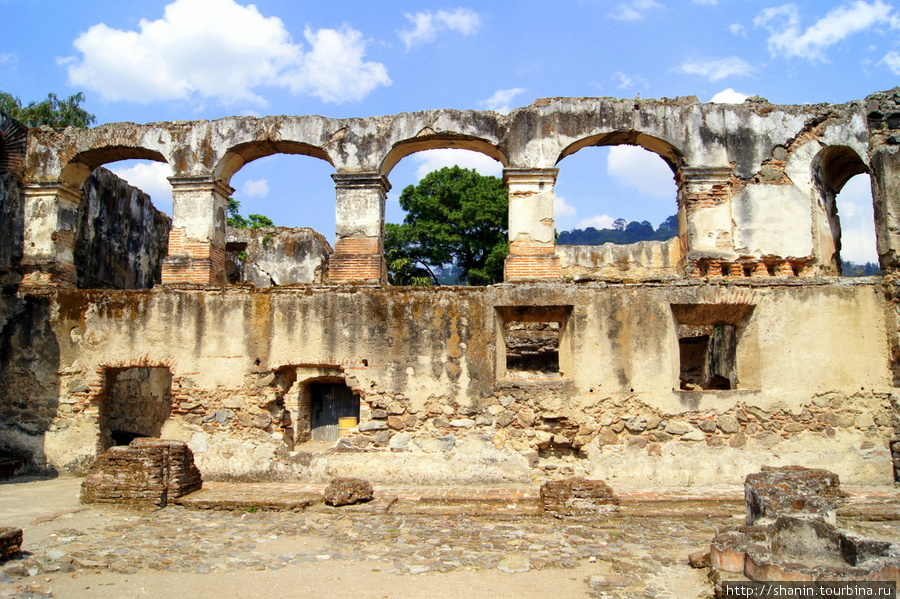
{"points": [[122, 238], [148, 471], [791, 490], [273, 256], [635, 261]]}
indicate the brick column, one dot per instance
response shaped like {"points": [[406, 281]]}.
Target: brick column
{"points": [[359, 238], [51, 223], [197, 238], [532, 242], [704, 213]]}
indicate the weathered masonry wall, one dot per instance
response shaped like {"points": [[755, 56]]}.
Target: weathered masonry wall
{"points": [[756, 181], [436, 401]]}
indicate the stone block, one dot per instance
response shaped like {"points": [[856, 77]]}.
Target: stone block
{"points": [[348, 491], [10, 542], [791, 489], [577, 496]]}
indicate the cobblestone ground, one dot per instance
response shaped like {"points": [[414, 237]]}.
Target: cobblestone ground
{"points": [[632, 558], [632, 553]]}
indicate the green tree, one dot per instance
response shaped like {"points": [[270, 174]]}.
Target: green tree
{"points": [[51, 111], [455, 217], [253, 221]]}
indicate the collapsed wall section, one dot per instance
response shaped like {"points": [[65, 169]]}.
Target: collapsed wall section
{"points": [[438, 399]]}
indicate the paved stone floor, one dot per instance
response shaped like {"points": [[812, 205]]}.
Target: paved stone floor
{"points": [[405, 538]]}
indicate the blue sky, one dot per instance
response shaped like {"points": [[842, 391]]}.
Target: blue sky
{"points": [[203, 59]]}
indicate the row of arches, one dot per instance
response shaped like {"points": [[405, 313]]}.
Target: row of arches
{"points": [[359, 207]]}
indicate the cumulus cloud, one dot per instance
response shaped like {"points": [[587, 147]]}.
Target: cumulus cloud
{"points": [[432, 160], [634, 10], [642, 169], [601, 221], [716, 69], [334, 70], [187, 54], [255, 188], [501, 99], [427, 25], [728, 96], [149, 177], [787, 37]]}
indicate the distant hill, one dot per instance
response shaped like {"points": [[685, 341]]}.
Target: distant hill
{"points": [[622, 233], [851, 269]]}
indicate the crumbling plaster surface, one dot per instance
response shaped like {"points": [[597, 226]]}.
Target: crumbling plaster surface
{"points": [[428, 356], [683, 131]]}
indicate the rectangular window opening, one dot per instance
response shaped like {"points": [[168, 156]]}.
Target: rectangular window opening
{"points": [[531, 341], [709, 336]]}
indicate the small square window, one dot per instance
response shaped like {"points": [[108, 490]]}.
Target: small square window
{"points": [[708, 339], [532, 341]]}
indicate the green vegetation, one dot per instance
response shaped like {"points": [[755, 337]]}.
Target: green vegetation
{"points": [[851, 269], [51, 111], [253, 221], [454, 230], [622, 232]]}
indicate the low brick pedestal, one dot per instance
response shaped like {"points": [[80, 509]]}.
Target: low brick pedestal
{"points": [[148, 471]]}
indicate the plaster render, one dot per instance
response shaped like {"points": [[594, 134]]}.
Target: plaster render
{"points": [[813, 360]]}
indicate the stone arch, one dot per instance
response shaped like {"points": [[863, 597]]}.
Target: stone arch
{"points": [[830, 169], [236, 157], [80, 166], [665, 150], [428, 140]]}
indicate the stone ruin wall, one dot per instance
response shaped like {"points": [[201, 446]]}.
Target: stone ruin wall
{"points": [[436, 405], [815, 356]]}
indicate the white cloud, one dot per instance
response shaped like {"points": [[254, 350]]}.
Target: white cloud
{"points": [[737, 29], [857, 221], [601, 221], [501, 99], [189, 55], [642, 169], [149, 177], [427, 25], [892, 61], [334, 70], [624, 81], [717, 69], [728, 96], [7, 59], [432, 160], [634, 10], [562, 209], [255, 188], [787, 38]]}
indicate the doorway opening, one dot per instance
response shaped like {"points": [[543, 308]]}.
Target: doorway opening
{"points": [[329, 403]]}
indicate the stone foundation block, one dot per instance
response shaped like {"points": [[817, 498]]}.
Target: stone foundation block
{"points": [[347, 491], [577, 497]]}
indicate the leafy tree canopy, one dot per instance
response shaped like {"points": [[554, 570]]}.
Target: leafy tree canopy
{"points": [[621, 232], [51, 111], [253, 221], [455, 218]]}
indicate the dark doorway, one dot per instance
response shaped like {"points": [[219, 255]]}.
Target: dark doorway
{"points": [[331, 402]]}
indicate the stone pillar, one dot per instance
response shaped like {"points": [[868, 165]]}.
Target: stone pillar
{"points": [[704, 214], [359, 238], [51, 223], [532, 234], [197, 238]]}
